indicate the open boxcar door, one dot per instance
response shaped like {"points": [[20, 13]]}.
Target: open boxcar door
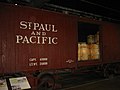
{"points": [[89, 50]]}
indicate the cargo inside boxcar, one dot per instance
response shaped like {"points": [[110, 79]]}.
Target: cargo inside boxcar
{"points": [[88, 41]]}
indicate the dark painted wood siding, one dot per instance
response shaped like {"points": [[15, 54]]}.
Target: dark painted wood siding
{"points": [[17, 55]]}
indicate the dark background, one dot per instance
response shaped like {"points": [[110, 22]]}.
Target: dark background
{"points": [[109, 9]]}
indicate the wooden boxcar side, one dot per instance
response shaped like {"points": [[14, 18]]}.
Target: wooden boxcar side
{"points": [[33, 39], [40, 41], [111, 43]]}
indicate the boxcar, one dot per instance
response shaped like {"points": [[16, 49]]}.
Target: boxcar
{"points": [[40, 44]]}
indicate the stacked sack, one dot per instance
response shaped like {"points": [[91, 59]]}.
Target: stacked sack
{"points": [[89, 50]]}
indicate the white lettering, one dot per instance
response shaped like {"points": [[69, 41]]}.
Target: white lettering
{"points": [[43, 63], [54, 40], [25, 40], [30, 25], [41, 27], [43, 33], [53, 28], [32, 59], [38, 35], [33, 64], [36, 25], [19, 38], [23, 25], [47, 27], [33, 33], [36, 40], [43, 59], [31, 39], [44, 39]]}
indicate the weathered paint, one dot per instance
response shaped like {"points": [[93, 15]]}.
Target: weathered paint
{"points": [[111, 43], [21, 50]]}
